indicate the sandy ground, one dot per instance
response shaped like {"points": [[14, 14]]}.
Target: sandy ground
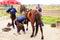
{"points": [[54, 13], [49, 33]]}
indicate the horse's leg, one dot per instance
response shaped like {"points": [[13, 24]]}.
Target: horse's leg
{"points": [[41, 31], [27, 26], [32, 29]]}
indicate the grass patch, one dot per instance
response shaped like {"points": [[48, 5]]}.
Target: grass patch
{"points": [[49, 20], [45, 19], [4, 14], [7, 14]]}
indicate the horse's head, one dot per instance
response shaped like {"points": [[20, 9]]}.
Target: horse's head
{"points": [[26, 14], [23, 8]]}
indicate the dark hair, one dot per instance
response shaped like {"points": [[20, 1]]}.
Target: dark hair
{"points": [[11, 6]]}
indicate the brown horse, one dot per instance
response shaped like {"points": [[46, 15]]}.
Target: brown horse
{"points": [[33, 16]]}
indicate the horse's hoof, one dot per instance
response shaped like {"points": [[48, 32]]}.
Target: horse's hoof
{"points": [[24, 32], [42, 38], [19, 33], [32, 36], [13, 27], [26, 29]]}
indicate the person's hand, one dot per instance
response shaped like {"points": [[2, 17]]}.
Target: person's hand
{"points": [[18, 12]]}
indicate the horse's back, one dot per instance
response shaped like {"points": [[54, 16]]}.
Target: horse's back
{"points": [[32, 14]]}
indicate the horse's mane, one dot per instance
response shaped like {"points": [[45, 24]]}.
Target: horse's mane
{"points": [[26, 12]]}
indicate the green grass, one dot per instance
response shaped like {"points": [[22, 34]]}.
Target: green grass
{"points": [[4, 14], [49, 20], [45, 19]]}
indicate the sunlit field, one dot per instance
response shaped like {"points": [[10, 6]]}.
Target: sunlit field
{"points": [[46, 19], [49, 19], [51, 7], [47, 7]]}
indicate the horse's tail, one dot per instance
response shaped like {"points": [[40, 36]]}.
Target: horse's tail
{"points": [[37, 19]]}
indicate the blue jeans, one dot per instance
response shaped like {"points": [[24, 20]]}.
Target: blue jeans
{"points": [[42, 24], [22, 30]]}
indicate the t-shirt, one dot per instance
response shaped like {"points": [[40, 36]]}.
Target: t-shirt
{"points": [[39, 9], [21, 18], [12, 10]]}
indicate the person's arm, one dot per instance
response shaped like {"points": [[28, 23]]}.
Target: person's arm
{"points": [[8, 10], [16, 11]]}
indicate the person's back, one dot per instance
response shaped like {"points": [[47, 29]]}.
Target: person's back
{"points": [[19, 23], [39, 9], [21, 18]]}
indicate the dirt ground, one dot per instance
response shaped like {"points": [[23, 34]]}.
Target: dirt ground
{"points": [[54, 13], [49, 33]]}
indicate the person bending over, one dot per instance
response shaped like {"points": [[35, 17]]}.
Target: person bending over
{"points": [[19, 21]]}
